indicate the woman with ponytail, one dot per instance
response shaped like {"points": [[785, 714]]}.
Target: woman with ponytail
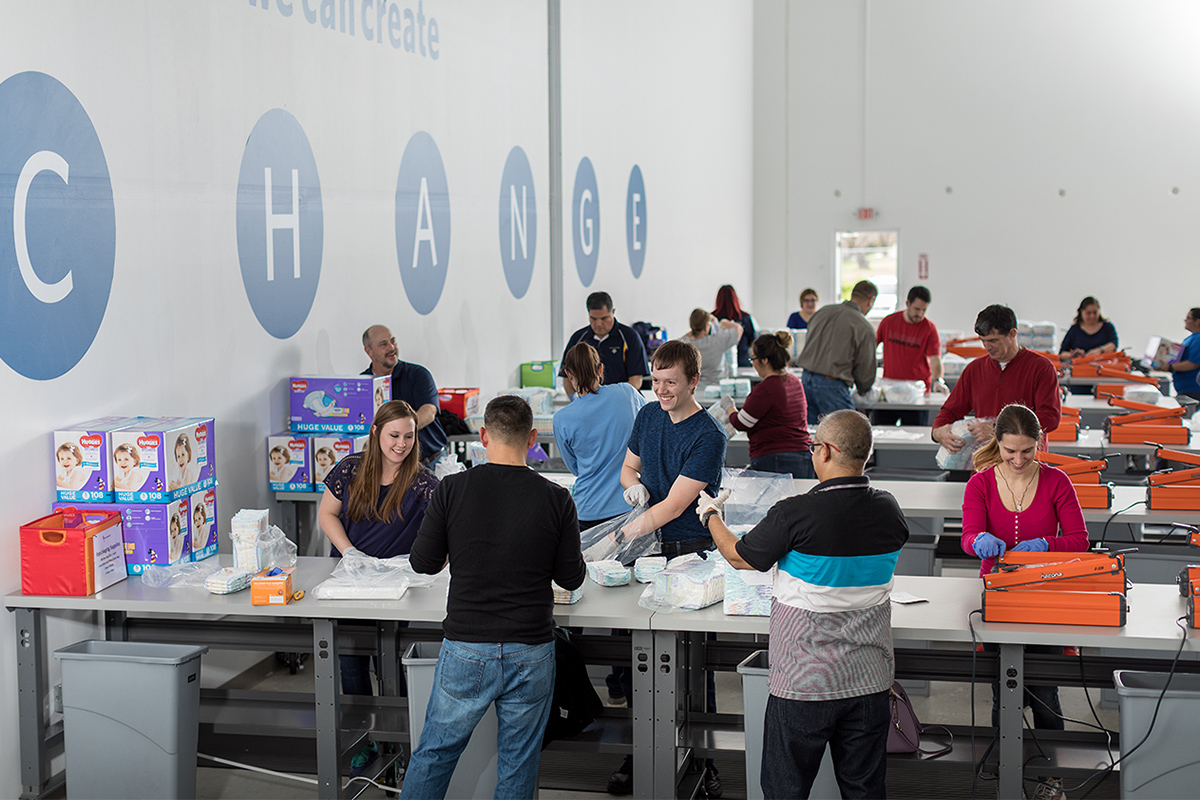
{"points": [[775, 415]]}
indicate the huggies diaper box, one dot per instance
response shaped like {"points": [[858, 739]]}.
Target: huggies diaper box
{"points": [[328, 449], [156, 534], [203, 509], [344, 404], [289, 468], [163, 459], [83, 459]]}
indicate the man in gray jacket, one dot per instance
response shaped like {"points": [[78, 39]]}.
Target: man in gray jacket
{"points": [[839, 351]]}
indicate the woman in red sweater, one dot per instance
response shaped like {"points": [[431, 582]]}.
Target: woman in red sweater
{"points": [[775, 415], [1013, 502]]}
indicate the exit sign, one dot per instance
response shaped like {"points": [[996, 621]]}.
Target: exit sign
{"points": [[866, 213]]}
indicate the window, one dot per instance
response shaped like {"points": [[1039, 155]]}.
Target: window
{"points": [[871, 256]]}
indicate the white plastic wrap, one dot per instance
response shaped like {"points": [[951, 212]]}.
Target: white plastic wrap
{"points": [[608, 573], [447, 466], [185, 574], [541, 400], [564, 597], [752, 494], [688, 583], [953, 365], [897, 391], [719, 412], [1143, 394], [255, 550], [872, 395], [646, 567], [621, 539], [363, 577], [961, 459]]}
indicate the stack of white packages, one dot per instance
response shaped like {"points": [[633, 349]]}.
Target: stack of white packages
{"points": [[748, 592], [736, 387], [953, 365], [898, 391], [608, 573], [1037, 335], [249, 526], [476, 453], [690, 582], [540, 400], [564, 597], [543, 422], [228, 580], [646, 567]]}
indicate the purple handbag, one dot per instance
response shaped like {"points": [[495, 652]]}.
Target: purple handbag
{"points": [[904, 729]]}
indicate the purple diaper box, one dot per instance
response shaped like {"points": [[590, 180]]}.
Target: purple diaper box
{"points": [[156, 534], [328, 449], [203, 508], [163, 459], [289, 465], [83, 459], [345, 404]]}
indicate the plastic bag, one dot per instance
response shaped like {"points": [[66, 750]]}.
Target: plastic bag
{"points": [[447, 465], [256, 551], [872, 395], [621, 539], [898, 391], [362, 577], [753, 493], [961, 459], [608, 573], [187, 574], [688, 583], [719, 411]]}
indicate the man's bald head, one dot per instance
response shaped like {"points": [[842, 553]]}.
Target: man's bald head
{"points": [[849, 433], [380, 345]]}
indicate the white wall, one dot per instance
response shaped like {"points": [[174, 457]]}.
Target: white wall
{"points": [[174, 91], [1007, 104]]}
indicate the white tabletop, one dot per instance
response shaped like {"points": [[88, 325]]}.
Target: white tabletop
{"points": [[1091, 441]]}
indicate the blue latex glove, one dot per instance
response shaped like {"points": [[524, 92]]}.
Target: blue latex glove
{"points": [[1032, 545], [988, 546]]}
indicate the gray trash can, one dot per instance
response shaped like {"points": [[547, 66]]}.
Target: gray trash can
{"points": [[475, 775], [131, 717], [1165, 766], [755, 690]]}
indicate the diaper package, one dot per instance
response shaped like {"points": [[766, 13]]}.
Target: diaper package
{"points": [[961, 459], [83, 459], [623, 539], [289, 462], [563, 597], [540, 399], [735, 387], [688, 583], [202, 507], [363, 577], [247, 530], [719, 412], [339, 404], [330, 448], [163, 459], [228, 580], [543, 422], [748, 592], [608, 573], [646, 567], [156, 534], [898, 391]]}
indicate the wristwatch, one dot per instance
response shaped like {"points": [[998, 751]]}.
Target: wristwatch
{"points": [[707, 515]]}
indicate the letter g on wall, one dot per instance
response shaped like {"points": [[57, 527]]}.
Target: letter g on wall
{"points": [[57, 227]]}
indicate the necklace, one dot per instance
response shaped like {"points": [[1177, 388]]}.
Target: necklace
{"points": [[1020, 503]]}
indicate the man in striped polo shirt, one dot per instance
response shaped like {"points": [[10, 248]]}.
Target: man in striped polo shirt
{"points": [[831, 617]]}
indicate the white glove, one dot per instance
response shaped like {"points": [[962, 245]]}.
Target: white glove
{"points": [[353, 552], [706, 503], [726, 402], [637, 495]]}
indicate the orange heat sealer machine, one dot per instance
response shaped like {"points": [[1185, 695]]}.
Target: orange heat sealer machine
{"points": [[1148, 423], [1177, 489], [1085, 479], [1056, 589], [1068, 426], [958, 347]]}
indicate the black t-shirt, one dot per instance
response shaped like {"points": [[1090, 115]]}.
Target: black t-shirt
{"points": [[507, 531]]}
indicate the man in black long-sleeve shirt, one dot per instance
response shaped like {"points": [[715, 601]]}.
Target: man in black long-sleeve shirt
{"points": [[506, 532]]}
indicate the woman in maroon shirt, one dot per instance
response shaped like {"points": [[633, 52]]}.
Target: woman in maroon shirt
{"points": [[775, 415], [1013, 502]]}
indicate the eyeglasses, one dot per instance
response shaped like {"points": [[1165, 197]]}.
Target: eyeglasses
{"points": [[833, 447]]}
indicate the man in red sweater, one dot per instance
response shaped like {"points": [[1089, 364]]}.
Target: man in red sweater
{"points": [[1010, 374]]}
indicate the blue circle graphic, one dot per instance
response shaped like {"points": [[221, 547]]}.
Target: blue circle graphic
{"points": [[422, 222], [280, 240], [635, 221], [518, 222], [58, 227], [585, 221]]}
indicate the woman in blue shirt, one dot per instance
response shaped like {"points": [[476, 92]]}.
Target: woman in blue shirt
{"points": [[592, 433], [1090, 333]]}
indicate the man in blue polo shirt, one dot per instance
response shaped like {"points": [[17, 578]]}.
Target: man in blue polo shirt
{"points": [[411, 383], [620, 348]]}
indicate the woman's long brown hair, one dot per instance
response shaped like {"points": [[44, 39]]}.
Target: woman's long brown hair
{"points": [[364, 488]]}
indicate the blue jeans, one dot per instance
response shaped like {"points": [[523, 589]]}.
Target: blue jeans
{"points": [[797, 463], [470, 676], [795, 733], [823, 396]]}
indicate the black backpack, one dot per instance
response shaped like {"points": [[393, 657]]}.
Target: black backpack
{"points": [[651, 335], [576, 704], [451, 423]]}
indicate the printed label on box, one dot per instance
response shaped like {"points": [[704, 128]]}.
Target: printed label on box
{"points": [[344, 404], [288, 463], [203, 507]]}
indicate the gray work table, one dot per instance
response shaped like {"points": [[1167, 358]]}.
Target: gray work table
{"points": [[197, 616]]}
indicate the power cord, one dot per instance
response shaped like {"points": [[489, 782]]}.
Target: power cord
{"points": [[1115, 514]]}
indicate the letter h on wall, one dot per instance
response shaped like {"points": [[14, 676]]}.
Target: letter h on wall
{"points": [[277, 222]]}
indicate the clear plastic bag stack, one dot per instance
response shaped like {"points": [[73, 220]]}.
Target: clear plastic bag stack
{"points": [[621, 539], [180, 575], [608, 573], [753, 493], [363, 577], [961, 459], [898, 391], [688, 583]]}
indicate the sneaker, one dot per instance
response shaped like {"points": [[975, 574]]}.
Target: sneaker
{"points": [[615, 692], [362, 758], [621, 781], [712, 781], [1049, 789]]}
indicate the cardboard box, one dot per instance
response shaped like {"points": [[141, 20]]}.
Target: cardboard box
{"points": [[203, 509], [271, 590], [163, 459], [156, 534], [540, 373], [339, 404], [462, 403], [72, 552], [289, 462], [83, 459], [328, 450]]}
